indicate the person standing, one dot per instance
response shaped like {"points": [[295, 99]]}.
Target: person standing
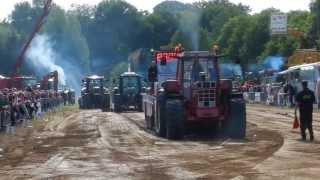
{"points": [[152, 75], [318, 93], [304, 101]]}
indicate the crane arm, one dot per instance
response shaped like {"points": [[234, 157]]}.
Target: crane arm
{"points": [[37, 27]]}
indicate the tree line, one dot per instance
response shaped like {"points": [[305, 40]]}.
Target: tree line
{"points": [[100, 38]]}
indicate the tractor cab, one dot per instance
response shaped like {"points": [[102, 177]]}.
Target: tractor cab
{"points": [[93, 84], [195, 75], [199, 79], [130, 84], [50, 81], [188, 90], [128, 94], [21, 82], [94, 94]]}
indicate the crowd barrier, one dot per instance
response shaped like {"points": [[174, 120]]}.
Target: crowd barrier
{"points": [[280, 99]]}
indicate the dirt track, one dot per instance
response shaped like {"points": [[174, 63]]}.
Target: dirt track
{"points": [[97, 145]]}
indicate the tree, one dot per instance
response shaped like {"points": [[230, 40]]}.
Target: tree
{"points": [[204, 43], [116, 21], [9, 41], [65, 30], [23, 18], [181, 37], [161, 28], [215, 13], [232, 36], [314, 31], [172, 7]]}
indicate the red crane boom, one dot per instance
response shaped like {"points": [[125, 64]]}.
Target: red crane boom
{"points": [[37, 27]]}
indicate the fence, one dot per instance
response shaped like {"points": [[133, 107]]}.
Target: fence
{"points": [[280, 99]]}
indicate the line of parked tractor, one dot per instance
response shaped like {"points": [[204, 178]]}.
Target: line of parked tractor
{"points": [[184, 90]]}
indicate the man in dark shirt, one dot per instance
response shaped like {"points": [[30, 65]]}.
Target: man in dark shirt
{"points": [[152, 74], [305, 100]]}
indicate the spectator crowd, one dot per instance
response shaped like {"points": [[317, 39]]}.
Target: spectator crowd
{"points": [[18, 106]]}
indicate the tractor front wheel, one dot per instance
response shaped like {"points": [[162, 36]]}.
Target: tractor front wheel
{"points": [[160, 121], [175, 119]]}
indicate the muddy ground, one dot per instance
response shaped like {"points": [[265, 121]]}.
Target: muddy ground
{"points": [[73, 144]]}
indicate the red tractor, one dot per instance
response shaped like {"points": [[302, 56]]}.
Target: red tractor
{"points": [[18, 82], [50, 81], [188, 91]]}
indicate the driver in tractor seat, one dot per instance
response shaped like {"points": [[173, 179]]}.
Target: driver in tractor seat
{"points": [[152, 74]]}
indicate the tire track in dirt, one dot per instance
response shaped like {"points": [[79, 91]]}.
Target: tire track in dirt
{"points": [[97, 145], [220, 152], [295, 159]]}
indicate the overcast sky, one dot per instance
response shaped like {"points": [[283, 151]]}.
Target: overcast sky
{"points": [[256, 5]]}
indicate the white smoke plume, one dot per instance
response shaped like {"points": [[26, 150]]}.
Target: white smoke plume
{"points": [[44, 59], [189, 25]]}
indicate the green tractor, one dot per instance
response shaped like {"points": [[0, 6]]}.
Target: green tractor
{"points": [[127, 96], [94, 94]]}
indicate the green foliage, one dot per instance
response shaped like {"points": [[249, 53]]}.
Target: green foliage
{"points": [[65, 30], [118, 23], [23, 17], [117, 70], [300, 20], [215, 13], [172, 7], [160, 28], [100, 38], [314, 30], [8, 47], [181, 37]]}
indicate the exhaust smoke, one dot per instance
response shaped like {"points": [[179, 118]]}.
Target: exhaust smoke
{"points": [[43, 58], [189, 25], [274, 62], [229, 70]]}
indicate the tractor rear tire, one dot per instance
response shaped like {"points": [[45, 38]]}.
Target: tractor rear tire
{"points": [[175, 119], [139, 107], [236, 123], [117, 108], [147, 118], [80, 104], [160, 127]]}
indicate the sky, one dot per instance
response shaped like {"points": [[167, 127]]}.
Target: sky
{"points": [[256, 5]]}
